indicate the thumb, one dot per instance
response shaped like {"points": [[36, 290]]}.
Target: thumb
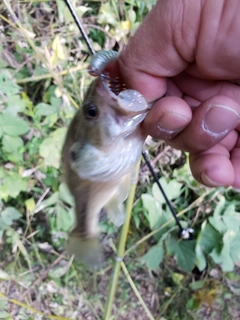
{"points": [[155, 51]]}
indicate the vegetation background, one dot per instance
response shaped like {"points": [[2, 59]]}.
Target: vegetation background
{"points": [[43, 78]]}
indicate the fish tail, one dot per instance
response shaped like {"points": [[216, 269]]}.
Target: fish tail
{"points": [[87, 250]]}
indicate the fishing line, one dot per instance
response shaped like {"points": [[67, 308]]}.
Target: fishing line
{"points": [[80, 26], [184, 233], [150, 167]]}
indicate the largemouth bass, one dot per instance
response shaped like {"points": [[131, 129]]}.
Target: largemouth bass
{"points": [[103, 145]]}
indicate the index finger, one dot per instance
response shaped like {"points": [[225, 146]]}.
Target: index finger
{"points": [[151, 54]]}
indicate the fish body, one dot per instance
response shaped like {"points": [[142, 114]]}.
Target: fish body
{"points": [[102, 147]]}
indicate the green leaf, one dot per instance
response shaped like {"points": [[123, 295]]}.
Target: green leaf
{"points": [[30, 205], [51, 200], [13, 125], [24, 252], [220, 206], [15, 104], [184, 174], [137, 220], [132, 15], [12, 144], [153, 208], [177, 277], [232, 276], [61, 6], [3, 226], [223, 257], [7, 86], [58, 272], [44, 109], [172, 189], [80, 10], [51, 120], [55, 102], [51, 148], [217, 219], [3, 173], [197, 285], [208, 239], [234, 248], [65, 195], [64, 221], [4, 275], [137, 209], [3, 192], [3, 303], [59, 135], [154, 256], [217, 223], [9, 214], [231, 218], [13, 184], [183, 251], [39, 71], [107, 15], [193, 304], [5, 315]]}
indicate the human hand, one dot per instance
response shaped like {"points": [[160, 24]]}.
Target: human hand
{"points": [[189, 51]]}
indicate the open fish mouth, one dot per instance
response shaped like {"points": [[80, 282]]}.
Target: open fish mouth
{"points": [[130, 102], [104, 64], [112, 79]]}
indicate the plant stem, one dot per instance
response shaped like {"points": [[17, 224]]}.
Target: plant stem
{"points": [[49, 75], [120, 252], [137, 293]]}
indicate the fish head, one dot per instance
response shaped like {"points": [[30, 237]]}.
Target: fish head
{"points": [[105, 140]]}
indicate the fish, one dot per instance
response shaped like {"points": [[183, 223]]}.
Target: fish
{"points": [[102, 148]]}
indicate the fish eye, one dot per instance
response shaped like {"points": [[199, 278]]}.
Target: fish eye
{"points": [[73, 156], [91, 111]]}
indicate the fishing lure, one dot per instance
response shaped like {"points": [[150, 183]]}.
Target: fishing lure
{"points": [[100, 60]]}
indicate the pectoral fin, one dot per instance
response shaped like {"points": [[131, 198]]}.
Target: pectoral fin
{"points": [[115, 211], [115, 207]]}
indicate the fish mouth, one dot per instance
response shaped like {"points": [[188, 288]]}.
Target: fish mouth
{"points": [[112, 80], [129, 102]]}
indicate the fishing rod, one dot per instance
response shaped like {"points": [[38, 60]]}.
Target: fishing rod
{"points": [[183, 233], [80, 26]]}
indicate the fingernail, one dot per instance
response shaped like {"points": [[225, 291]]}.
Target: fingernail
{"points": [[171, 124], [209, 182], [220, 118]]}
